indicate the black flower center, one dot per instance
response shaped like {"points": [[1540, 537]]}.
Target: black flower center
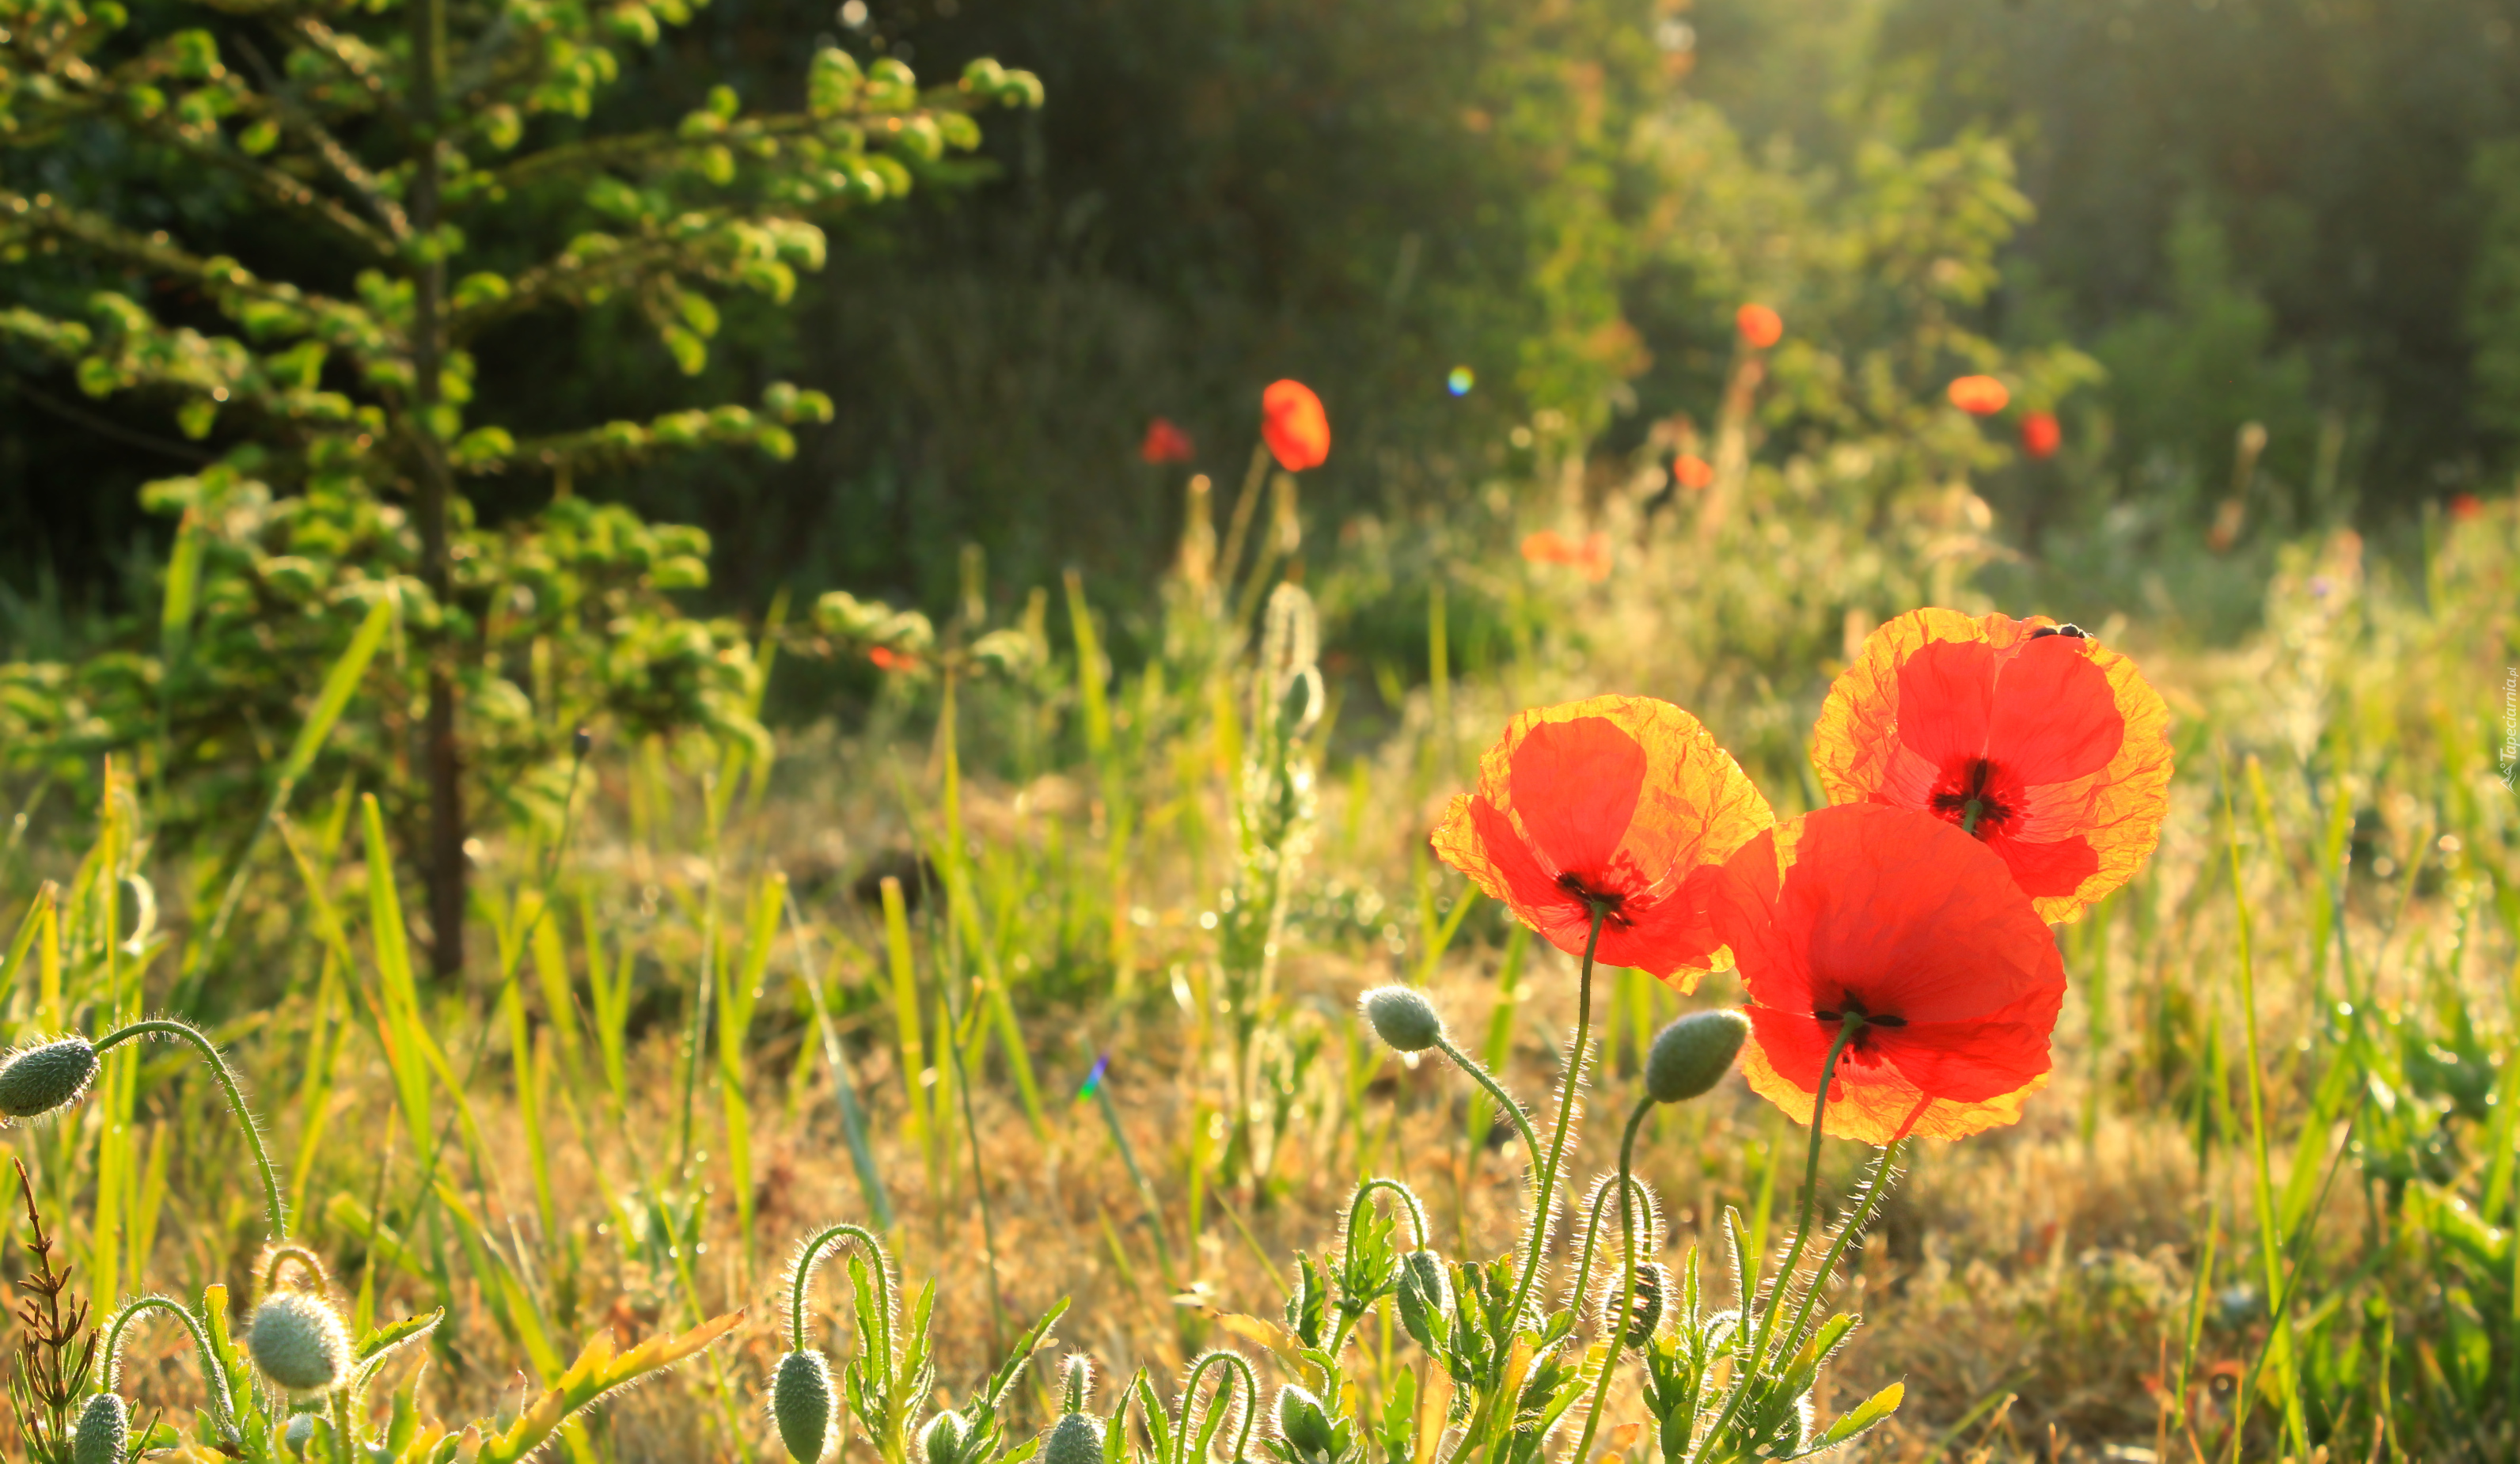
{"points": [[1976, 798]]}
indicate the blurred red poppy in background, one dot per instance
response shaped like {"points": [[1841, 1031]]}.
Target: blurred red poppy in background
{"points": [[1691, 471], [1165, 443], [1591, 555], [886, 658], [2046, 746], [2465, 505], [1624, 803], [1760, 326], [1294, 425], [1979, 396], [1904, 921], [2041, 437]]}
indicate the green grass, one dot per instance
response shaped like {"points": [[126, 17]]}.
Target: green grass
{"points": [[2265, 1206]]}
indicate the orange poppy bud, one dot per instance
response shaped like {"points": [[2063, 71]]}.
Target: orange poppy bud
{"points": [[2041, 437], [1902, 926], [1165, 443], [1294, 425], [1621, 803], [1760, 326], [2047, 747], [1979, 396]]}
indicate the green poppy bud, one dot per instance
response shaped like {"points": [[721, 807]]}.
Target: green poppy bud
{"points": [[1402, 1018], [103, 1429], [1076, 1438], [800, 1399], [941, 1440], [298, 1342], [1690, 1055], [1644, 1305], [1426, 1300], [37, 1079]]}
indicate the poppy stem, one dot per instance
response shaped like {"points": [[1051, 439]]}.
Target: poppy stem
{"points": [[1503, 1100], [273, 1211], [1539, 1212], [1627, 1283], [1850, 1022], [1846, 1233]]}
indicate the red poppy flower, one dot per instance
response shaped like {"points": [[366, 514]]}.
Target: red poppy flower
{"points": [[1550, 547], [1294, 425], [886, 658], [1907, 921], [1621, 801], [1692, 471], [2465, 507], [2041, 437], [1760, 326], [2050, 748], [1165, 443], [1979, 396]]}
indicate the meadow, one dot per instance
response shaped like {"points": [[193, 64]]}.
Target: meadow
{"points": [[1045, 974]]}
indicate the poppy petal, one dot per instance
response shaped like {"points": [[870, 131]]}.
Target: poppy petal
{"points": [[1575, 785], [1946, 700], [2052, 870], [2055, 716]]}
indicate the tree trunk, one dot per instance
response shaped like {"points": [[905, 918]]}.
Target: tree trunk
{"points": [[444, 859]]}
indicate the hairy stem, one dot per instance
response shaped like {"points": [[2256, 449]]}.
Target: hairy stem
{"points": [[804, 1276], [1850, 1023], [212, 1374], [1618, 1339], [272, 1209], [1479, 1075], [1540, 1211]]}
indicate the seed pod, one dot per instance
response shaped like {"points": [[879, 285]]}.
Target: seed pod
{"points": [[1690, 1055], [104, 1431], [941, 1440], [298, 1342], [37, 1079], [1076, 1438], [1402, 1018], [800, 1399]]}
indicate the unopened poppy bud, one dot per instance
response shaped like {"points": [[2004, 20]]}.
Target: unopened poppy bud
{"points": [[1426, 1300], [1645, 1304], [941, 1440], [52, 1074], [1304, 1423], [104, 1431], [800, 1401], [1402, 1018], [582, 743], [1076, 1438], [1690, 1055], [298, 1342], [300, 1435]]}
